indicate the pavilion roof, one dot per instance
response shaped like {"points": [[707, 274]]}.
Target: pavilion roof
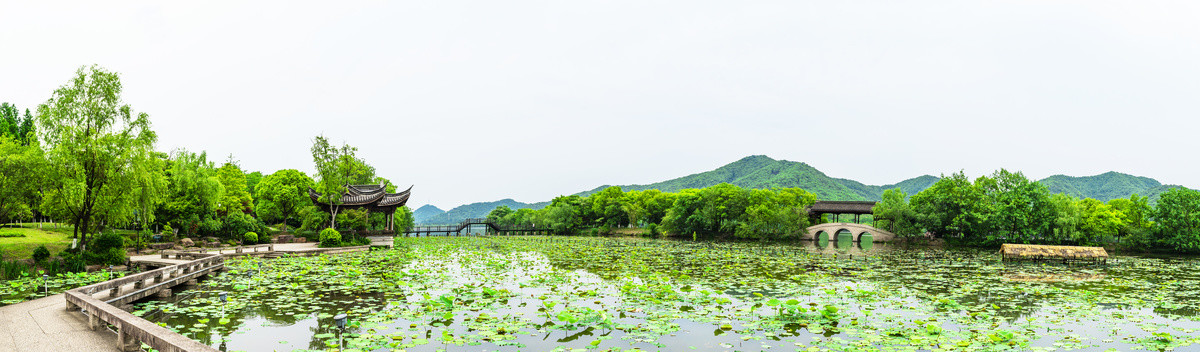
{"points": [[367, 195]]}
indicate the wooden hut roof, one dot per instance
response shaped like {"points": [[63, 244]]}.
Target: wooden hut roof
{"points": [[842, 207], [1041, 251]]}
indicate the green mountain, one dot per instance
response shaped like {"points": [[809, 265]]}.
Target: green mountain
{"points": [[475, 210], [760, 171], [1106, 186], [425, 212]]}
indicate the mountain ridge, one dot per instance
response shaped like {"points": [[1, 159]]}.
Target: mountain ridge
{"points": [[761, 171]]}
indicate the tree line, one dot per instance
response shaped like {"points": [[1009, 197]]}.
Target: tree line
{"points": [[86, 158], [1007, 207], [720, 211]]}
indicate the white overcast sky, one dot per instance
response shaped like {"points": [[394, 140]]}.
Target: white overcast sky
{"points": [[478, 101]]}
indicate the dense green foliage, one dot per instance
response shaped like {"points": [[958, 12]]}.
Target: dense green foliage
{"points": [[97, 148], [1006, 207], [1178, 217], [88, 159], [894, 214], [21, 167], [280, 196], [723, 210], [250, 238]]}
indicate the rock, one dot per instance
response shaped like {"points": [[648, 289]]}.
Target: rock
{"points": [[300, 240], [187, 242]]}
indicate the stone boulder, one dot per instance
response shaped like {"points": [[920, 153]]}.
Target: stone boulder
{"points": [[187, 242]]}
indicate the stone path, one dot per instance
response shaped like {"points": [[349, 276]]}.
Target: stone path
{"points": [[44, 324]]}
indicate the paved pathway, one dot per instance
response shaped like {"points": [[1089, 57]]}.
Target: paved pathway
{"points": [[44, 324]]}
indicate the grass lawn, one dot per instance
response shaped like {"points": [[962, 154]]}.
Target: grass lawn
{"points": [[55, 240]]}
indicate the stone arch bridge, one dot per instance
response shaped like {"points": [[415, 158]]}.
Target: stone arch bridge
{"points": [[856, 230], [830, 230]]}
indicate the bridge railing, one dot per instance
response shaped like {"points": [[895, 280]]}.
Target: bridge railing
{"points": [[131, 328]]}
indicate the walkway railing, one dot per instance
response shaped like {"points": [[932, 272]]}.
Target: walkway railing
{"points": [[130, 328]]}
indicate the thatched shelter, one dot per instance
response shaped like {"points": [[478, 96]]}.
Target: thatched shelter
{"points": [[1042, 253]]}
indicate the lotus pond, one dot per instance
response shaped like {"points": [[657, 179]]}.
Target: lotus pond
{"points": [[33, 286], [553, 293]]}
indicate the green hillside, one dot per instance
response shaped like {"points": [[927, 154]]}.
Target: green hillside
{"points": [[1106, 186], [760, 171], [425, 212], [476, 210]]}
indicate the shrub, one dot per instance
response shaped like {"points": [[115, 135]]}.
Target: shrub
{"points": [[652, 230], [72, 262], [112, 256], [330, 238], [41, 253], [250, 238], [106, 248], [106, 241]]}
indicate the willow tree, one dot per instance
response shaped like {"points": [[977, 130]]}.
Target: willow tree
{"points": [[96, 146]]}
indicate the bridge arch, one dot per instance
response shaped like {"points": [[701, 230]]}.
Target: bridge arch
{"points": [[856, 231]]}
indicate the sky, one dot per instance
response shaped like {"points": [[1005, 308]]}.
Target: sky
{"points": [[485, 100]]}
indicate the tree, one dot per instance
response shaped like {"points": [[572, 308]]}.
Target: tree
{"points": [[951, 206], [403, 219], [10, 124], [194, 191], [27, 133], [775, 214], [94, 143], [498, 214], [252, 180], [280, 196], [1099, 220], [894, 214], [1014, 207], [150, 188], [20, 178], [1065, 226], [1178, 217], [336, 168], [609, 205], [1135, 213], [236, 198]]}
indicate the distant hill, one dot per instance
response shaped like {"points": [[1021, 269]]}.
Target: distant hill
{"points": [[475, 210], [425, 212], [1106, 186], [760, 171]]}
